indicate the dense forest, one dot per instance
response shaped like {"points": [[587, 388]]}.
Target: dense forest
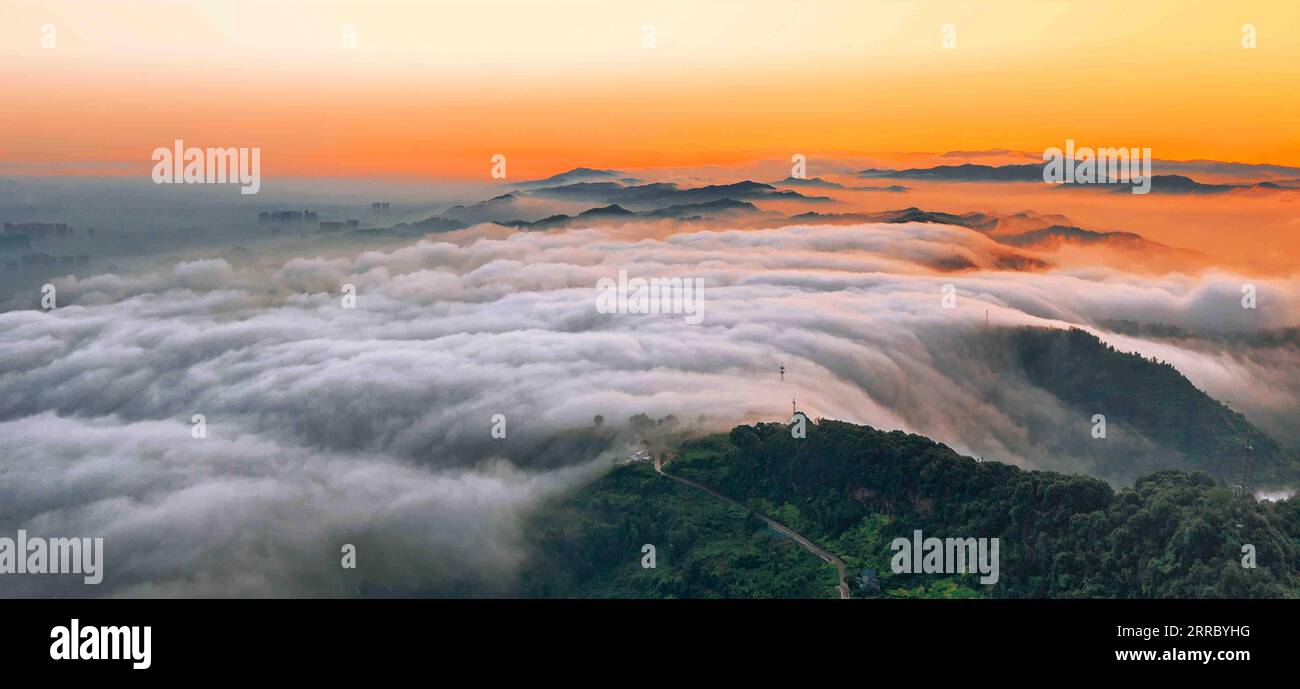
{"points": [[1153, 399], [590, 545], [1177, 528], [853, 489]]}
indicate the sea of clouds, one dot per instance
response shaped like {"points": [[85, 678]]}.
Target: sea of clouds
{"points": [[372, 425]]}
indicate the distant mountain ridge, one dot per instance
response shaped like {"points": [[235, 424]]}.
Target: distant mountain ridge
{"points": [[691, 212], [826, 184], [968, 172], [1033, 172], [1058, 234], [658, 193], [976, 221], [577, 174]]}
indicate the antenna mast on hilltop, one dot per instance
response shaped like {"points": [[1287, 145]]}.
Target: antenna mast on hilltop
{"points": [[1245, 472], [782, 373]]}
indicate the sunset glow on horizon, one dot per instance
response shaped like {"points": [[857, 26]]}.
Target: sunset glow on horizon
{"points": [[438, 88]]}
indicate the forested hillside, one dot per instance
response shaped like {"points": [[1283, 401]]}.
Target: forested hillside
{"points": [[590, 545], [854, 488], [1151, 398]]}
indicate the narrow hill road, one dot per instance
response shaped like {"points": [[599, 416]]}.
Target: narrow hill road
{"points": [[795, 536]]}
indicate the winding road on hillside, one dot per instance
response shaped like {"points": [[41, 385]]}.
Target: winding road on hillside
{"points": [[797, 537]]}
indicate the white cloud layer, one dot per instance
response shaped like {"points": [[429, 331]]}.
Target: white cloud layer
{"points": [[370, 425]]}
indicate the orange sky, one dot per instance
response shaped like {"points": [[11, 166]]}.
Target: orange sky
{"points": [[438, 87]]}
